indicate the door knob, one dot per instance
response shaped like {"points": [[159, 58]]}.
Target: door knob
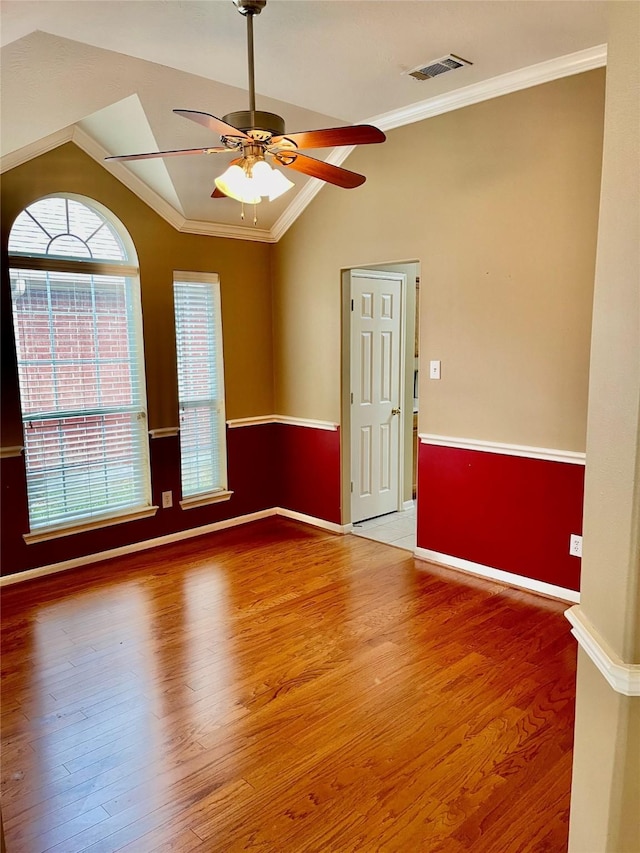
{"points": [[395, 411]]}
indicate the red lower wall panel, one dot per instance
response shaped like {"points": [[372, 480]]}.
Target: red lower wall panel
{"points": [[309, 480], [269, 465], [507, 512], [251, 474]]}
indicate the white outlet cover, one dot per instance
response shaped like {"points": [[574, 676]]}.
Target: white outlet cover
{"points": [[575, 545], [434, 370]]}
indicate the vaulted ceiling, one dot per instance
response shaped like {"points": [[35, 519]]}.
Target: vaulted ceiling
{"points": [[108, 73]]}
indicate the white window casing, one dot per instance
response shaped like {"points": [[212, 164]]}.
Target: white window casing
{"points": [[78, 329], [200, 365]]}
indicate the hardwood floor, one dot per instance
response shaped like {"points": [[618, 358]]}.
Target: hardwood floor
{"points": [[278, 688]]}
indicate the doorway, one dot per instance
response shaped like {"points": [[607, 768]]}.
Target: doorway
{"points": [[378, 380]]}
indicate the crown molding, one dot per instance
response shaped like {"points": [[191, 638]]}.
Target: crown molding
{"points": [[233, 232], [132, 182], [495, 87], [153, 200], [307, 194], [504, 84], [35, 149]]}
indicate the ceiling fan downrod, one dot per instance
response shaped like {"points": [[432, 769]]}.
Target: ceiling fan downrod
{"points": [[258, 124], [249, 8], [256, 135]]}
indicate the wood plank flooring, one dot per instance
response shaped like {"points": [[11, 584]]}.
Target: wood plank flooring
{"points": [[278, 688]]}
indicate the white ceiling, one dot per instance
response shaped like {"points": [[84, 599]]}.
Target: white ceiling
{"points": [[111, 71]]}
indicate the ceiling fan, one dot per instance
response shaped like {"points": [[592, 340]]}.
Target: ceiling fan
{"points": [[259, 137]]}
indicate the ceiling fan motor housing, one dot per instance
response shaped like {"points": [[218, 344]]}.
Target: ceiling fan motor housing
{"points": [[257, 124], [250, 7], [254, 134]]}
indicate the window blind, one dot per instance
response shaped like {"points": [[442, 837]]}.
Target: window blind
{"points": [[81, 376], [200, 384]]}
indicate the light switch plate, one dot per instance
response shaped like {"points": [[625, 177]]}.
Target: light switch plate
{"points": [[434, 370]]}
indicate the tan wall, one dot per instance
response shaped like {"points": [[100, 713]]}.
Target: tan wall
{"points": [[244, 270], [605, 794], [605, 789], [499, 203], [612, 496]]}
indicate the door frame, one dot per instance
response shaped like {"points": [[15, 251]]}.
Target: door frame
{"points": [[345, 432]]}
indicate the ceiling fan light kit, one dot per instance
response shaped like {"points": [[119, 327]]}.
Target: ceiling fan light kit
{"points": [[256, 135], [251, 180]]}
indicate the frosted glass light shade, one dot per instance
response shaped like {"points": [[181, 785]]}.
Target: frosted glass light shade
{"points": [[279, 184], [235, 184], [252, 181], [260, 177]]}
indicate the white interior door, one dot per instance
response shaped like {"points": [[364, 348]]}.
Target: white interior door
{"points": [[375, 394]]}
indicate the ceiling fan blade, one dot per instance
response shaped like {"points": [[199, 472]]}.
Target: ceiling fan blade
{"points": [[319, 169], [213, 123], [169, 153], [357, 134]]}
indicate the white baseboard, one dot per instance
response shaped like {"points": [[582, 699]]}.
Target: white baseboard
{"points": [[407, 505], [77, 562], [497, 575], [315, 522], [42, 571], [623, 677]]}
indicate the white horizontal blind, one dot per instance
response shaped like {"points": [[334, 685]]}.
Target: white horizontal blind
{"points": [[80, 367], [200, 383]]}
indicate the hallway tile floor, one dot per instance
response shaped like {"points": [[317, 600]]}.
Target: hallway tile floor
{"points": [[395, 528]]}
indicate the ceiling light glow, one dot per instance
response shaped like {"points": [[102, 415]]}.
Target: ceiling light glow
{"points": [[251, 180]]}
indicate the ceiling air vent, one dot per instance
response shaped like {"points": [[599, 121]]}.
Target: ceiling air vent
{"points": [[438, 66]]}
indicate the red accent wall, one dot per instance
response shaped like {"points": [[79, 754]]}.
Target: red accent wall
{"points": [[269, 465], [507, 512], [309, 480]]}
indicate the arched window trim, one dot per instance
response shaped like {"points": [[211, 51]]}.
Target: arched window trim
{"points": [[123, 269], [129, 262]]}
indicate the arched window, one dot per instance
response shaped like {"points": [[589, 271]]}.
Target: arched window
{"points": [[78, 328]]}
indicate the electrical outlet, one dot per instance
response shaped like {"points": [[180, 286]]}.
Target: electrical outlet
{"points": [[167, 500], [575, 545], [434, 370]]}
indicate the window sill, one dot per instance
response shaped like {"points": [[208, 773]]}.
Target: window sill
{"points": [[204, 500], [45, 534]]}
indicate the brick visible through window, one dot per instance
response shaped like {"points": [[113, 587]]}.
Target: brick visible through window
{"points": [[200, 384], [79, 349]]}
